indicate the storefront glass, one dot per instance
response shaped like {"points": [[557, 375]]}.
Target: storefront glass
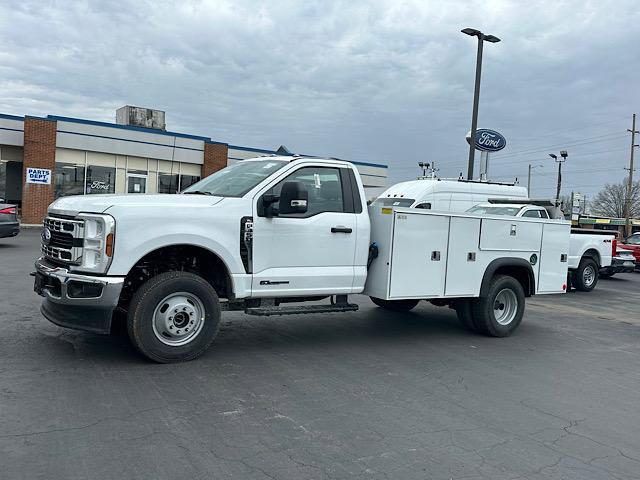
{"points": [[101, 179], [69, 180], [188, 180], [167, 183]]}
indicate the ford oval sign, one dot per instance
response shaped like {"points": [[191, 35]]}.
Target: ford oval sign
{"points": [[489, 140]]}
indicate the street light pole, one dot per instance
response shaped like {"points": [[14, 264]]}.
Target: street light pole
{"points": [[531, 167], [476, 92], [564, 155]]}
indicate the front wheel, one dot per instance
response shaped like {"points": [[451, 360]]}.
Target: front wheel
{"points": [[174, 317], [500, 312], [402, 306], [586, 276]]}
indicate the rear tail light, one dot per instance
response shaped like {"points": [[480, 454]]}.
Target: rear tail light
{"points": [[9, 211], [614, 247]]}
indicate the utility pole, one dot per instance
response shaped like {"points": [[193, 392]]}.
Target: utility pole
{"points": [[627, 206]]}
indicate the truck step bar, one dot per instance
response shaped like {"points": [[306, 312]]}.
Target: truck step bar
{"points": [[301, 309]]}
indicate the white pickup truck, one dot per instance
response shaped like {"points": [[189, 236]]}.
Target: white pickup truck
{"points": [[588, 252], [267, 234]]}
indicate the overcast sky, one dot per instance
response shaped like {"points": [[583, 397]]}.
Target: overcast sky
{"points": [[380, 81]]}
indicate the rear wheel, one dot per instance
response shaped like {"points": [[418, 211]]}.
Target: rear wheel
{"points": [[396, 305], [500, 312], [174, 317], [586, 276]]}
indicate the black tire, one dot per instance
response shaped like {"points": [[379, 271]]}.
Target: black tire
{"points": [[140, 319], [585, 278], [484, 308], [465, 314], [402, 306]]}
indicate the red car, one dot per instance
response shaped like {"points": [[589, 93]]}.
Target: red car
{"points": [[632, 242]]}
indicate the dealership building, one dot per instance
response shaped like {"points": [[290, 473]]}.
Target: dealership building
{"points": [[43, 158]]}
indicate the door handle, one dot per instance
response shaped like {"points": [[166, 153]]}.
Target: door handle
{"points": [[341, 230]]}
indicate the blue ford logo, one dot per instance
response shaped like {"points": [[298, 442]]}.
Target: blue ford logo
{"points": [[46, 236], [489, 140]]}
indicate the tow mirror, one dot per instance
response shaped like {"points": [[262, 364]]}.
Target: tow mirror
{"points": [[294, 198]]}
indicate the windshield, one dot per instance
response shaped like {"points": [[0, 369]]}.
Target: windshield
{"points": [[633, 240], [508, 211], [393, 202], [237, 179]]}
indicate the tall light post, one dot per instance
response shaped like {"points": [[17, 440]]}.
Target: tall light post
{"points": [[563, 155], [476, 92], [531, 167]]}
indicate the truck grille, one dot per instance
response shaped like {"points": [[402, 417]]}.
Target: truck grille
{"points": [[64, 239]]}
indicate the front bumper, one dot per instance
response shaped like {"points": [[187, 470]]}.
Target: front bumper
{"points": [[77, 301]]}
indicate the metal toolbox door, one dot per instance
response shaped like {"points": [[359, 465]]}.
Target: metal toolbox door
{"points": [[510, 234], [419, 256], [553, 258]]}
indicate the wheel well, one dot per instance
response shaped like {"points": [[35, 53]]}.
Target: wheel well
{"points": [[522, 274], [593, 254], [187, 258]]}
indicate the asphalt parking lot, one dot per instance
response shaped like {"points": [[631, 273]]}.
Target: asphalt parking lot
{"points": [[367, 394]]}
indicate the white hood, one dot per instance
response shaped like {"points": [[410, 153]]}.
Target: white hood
{"points": [[75, 204]]}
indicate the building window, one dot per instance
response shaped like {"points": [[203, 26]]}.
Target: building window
{"points": [[167, 183], [69, 179], [188, 180], [101, 179]]}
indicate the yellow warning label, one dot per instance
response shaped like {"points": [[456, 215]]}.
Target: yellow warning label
{"points": [[387, 211]]}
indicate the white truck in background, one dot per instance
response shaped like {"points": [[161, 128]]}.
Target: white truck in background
{"points": [[268, 234], [588, 252]]}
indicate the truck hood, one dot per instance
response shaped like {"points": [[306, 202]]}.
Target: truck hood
{"points": [[75, 204]]}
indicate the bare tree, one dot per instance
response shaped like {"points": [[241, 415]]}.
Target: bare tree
{"points": [[611, 200]]}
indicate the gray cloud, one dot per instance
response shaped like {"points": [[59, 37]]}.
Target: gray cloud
{"points": [[383, 81]]}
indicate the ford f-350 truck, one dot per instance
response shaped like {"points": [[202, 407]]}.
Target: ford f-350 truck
{"points": [[266, 236]]}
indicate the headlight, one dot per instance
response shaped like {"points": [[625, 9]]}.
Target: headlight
{"points": [[98, 243]]}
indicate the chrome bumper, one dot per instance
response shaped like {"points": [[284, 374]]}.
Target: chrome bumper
{"points": [[65, 308]]}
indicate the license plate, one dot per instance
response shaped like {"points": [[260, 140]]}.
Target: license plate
{"points": [[629, 264]]}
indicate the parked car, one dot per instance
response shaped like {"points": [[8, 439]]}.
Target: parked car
{"points": [[9, 226], [622, 262], [632, 243]]}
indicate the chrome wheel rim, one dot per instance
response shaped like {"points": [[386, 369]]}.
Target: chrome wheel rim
{"points": [[505, 306], [588, 275], [178, 318]]}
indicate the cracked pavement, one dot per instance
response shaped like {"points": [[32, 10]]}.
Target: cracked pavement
{"points": [[368, 394]]}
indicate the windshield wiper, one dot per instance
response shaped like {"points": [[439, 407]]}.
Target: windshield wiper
{"points": [[197, 192]]}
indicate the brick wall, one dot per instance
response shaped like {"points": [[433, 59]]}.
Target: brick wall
{"points": [[39, 152], [215, 158]]}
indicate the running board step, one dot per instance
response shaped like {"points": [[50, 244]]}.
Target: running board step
{"points": [[301, 309]]}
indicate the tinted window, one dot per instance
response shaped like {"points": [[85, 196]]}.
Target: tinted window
{"points": [[167, 183], [509, 211], [101, 179], [394, 202], [633, 240], [69, 179], [531, 214], [424, 206], [323, 185]]}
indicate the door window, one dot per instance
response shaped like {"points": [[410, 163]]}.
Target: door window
{"points": [[136, 183], [324, 187], [535, 214]]}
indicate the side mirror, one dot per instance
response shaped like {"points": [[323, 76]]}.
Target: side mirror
{"points": [[294, 198]]}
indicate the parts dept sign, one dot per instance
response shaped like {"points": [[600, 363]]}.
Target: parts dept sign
{"points": [[39, 175], [488, 140]]}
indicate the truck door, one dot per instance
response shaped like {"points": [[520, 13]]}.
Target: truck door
{"points": [[310, 253]]}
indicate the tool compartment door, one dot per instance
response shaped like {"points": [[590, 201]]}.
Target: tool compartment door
{"points": [[419, 255], [552, 275], [510, 234]]}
